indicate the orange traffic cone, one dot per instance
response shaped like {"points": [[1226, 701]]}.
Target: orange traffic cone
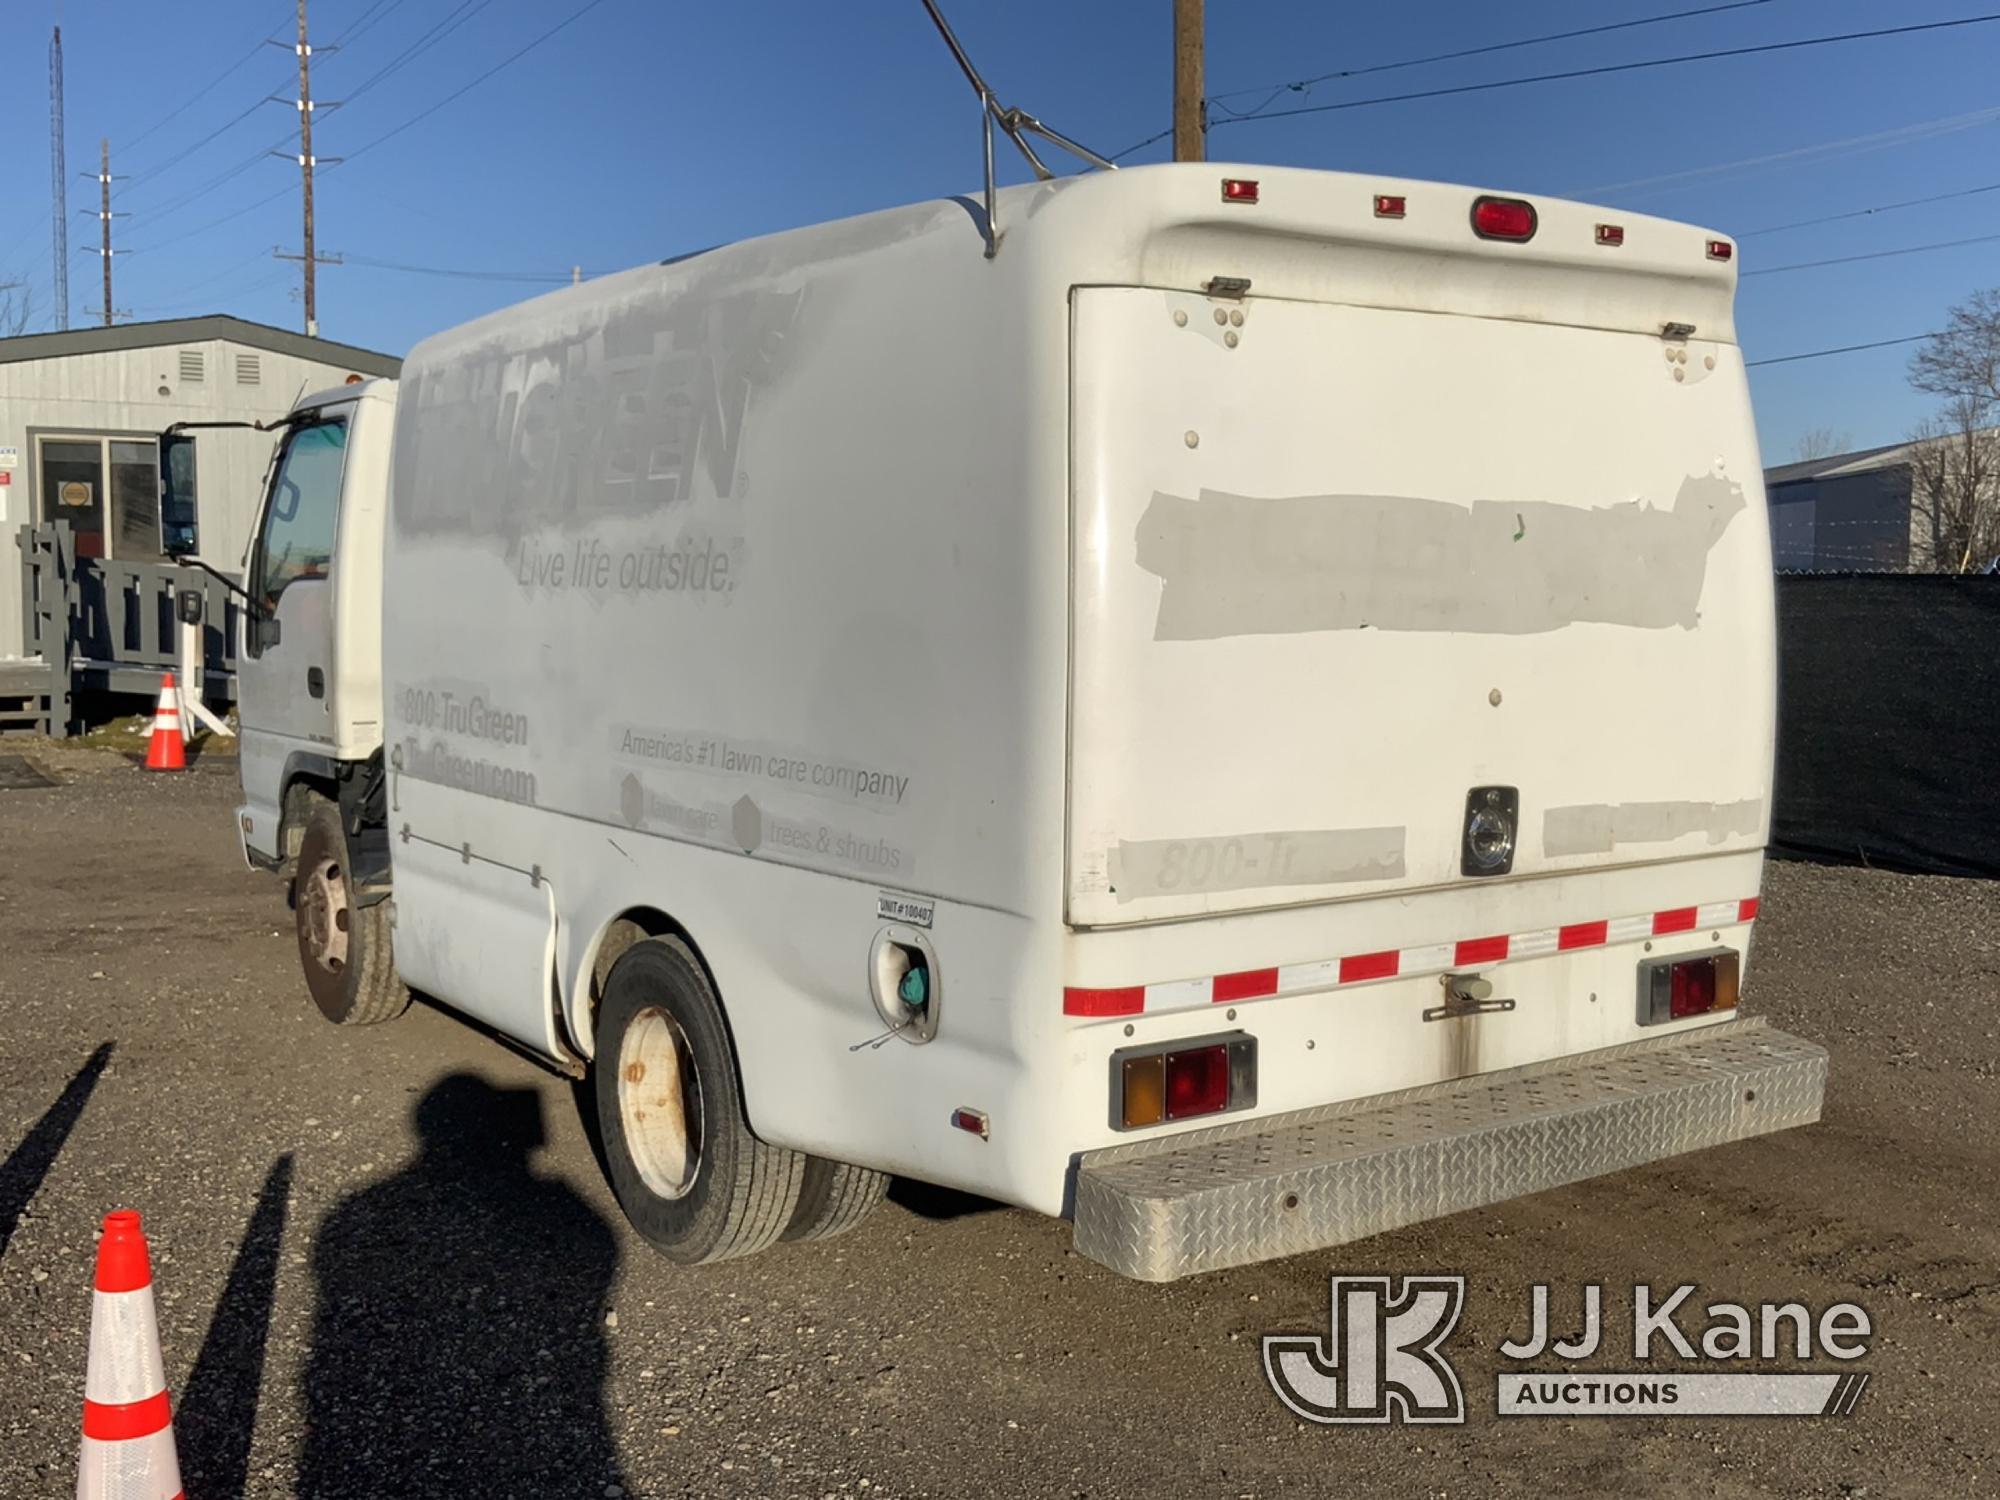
{"points": [[166, 751], [128, 1434]]}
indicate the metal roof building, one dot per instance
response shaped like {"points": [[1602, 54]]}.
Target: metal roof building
{"points": [[81, 411]]}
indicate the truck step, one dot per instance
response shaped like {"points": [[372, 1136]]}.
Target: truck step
{"points": [[1254, 1190]]}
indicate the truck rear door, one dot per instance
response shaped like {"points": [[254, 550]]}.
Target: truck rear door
{"points": [[1339, 568]]}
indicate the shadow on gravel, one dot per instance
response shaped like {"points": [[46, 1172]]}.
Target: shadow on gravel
{"points": [[218, 1414], [939, 1203], [458, 1335], [28, 1163]]}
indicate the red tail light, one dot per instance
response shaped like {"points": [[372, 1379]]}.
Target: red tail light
{"points": [[1720, 250], [1197, 1082], [1692, 989], [1672, 989], [1239, 190], [1390, 205], [1503, 219], [1611, 234], [1208, 1075]]}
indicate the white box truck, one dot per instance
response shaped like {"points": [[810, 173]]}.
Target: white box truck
{"points": [[1243, 719]]}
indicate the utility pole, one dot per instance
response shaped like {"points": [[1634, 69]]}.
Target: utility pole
{"points": [[310, 260], [59, 179], [306, 163], [104, 218], [1190, 113]]}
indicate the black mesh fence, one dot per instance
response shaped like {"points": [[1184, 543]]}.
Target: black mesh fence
{"points": [[1889, 722]]}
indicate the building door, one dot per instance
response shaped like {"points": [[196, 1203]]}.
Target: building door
{"points": [[108, 489]]}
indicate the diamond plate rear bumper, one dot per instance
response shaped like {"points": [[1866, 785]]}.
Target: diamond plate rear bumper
{"points": [[1258, 1189]]}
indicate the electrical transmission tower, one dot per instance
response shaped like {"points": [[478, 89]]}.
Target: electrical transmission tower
{"points": [[59, 181]]}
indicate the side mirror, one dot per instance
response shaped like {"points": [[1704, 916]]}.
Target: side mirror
{"points": [[179, 533]]}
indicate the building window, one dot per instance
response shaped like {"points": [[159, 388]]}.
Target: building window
{"points": [[108, 489], [248, 370], [193, 370]]}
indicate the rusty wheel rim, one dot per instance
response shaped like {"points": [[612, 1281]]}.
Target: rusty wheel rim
{"points": [[659, 1103]]}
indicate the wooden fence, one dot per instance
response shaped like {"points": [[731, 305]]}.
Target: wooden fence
{"points": [[110, 626]]}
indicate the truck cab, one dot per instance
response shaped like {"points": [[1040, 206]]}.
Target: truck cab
{"points": [[310, 679]]}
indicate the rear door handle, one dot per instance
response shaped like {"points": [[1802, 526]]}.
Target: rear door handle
{"points": [[316, 682]]}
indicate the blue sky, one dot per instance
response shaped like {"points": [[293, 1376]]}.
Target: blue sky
{"points": [[649, 128]]}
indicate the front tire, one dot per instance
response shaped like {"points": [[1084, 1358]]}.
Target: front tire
{"points": [[689, 1174], [344, 949]]}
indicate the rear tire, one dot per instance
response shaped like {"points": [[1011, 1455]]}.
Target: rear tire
{"points": [[345, 950], [834, 1198], [689, 1174]]}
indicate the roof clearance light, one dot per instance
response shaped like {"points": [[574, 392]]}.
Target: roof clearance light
{"points": [[1611, 234], [1720, 250], [1389, 205], [1239, 190], [1503, 219]]}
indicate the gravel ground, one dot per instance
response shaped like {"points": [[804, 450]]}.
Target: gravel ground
{"points": [[386, 1262]]}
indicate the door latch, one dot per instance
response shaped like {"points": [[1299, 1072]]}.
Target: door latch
{"points": [[1466, 995], [316, 682]]}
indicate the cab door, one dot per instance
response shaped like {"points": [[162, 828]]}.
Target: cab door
{"points": [[285, 672]]}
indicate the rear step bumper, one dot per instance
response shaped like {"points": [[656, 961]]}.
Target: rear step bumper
{"points": [[1259, 1189]]}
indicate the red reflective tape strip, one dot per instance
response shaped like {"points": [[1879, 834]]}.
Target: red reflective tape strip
{"points": [[133, 1419], [1486, 950], [1248, 985], [1129, 1001], [1370, 966], [1581, 935], [1251, 984]]}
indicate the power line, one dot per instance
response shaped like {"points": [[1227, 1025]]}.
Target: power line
{"points": [[175, 239], [361, 23], [1787, 359], [1605, 69], [1912, 132], [139, 179], [508, 61], [551, 278], [454, 19], [1848, 260], [199, 94], [249, 260], [1438, 57], [196, 194], [1898, 136], [283, 273], [1880, 208]]}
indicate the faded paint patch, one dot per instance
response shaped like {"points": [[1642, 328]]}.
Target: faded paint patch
{"points": [[1247, 565], [1251, 861], [1599, 827]]}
